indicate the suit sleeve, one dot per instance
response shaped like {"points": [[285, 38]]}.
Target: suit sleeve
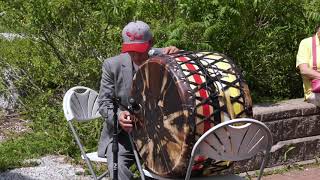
{"points": [[106, 92], [155, 51]]}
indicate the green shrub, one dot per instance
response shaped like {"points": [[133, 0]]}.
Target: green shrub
{"points": [[65, 42]]}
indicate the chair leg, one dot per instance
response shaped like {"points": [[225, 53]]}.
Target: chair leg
{"points": [[264, 161], [188, 174], [102, 175], [90, 167], [82, 150]]}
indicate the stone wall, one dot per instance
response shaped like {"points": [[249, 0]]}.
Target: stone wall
{"points": [[295, 127]]}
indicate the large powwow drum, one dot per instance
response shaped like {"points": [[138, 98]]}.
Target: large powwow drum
{"points": [[182, 96]]}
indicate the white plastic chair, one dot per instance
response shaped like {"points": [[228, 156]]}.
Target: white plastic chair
{"points": [[80, 104], [233, 140]]}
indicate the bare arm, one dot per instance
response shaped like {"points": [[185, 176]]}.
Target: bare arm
{"points": [[308, 72]]}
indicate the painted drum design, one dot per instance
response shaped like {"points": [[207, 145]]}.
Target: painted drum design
{"points": [[182, 96]]}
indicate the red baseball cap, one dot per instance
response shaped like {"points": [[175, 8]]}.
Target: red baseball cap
{"points": [[136, 37]]}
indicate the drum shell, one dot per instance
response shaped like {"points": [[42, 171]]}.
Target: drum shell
{"points": [[193, 115]]}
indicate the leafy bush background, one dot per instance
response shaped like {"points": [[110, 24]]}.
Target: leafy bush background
{"points": [[65, 42]]}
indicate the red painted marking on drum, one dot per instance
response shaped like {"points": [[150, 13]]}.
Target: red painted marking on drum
{"points": [[202, 92]]}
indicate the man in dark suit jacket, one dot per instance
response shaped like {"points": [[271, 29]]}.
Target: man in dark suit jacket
{"points": [[117, 74]]}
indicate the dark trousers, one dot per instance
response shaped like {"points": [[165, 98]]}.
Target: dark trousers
{"points": [[125, 159]]}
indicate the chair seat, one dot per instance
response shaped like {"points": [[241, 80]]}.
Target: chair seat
{"points": [[94, 157], [221, 177]]}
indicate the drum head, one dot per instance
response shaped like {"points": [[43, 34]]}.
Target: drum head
{"points": [[163, 128], [181, 97]]}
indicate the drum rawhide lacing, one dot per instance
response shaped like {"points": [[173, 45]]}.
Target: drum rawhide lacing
{"points": [[220, 92]]}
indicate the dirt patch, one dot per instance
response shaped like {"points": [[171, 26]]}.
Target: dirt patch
{"points": [[311, 173], [12, 125]]}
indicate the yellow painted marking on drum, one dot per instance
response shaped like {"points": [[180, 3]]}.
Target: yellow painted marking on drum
{"points": [[213, 57], [147, 75], [175, 153], [174, 146], [163, 91], [164, 81], [229, 104], [144, 84], [150, 157], [143, 149], [223, 66], [174, 115], [236, 106], [233, 93], [168, 124], [202, 53]]}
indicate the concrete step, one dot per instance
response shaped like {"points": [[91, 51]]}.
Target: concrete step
{"points": [[295, 127]]}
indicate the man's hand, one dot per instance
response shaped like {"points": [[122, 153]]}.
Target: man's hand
{"points": [[170, 49], [125, 121]]}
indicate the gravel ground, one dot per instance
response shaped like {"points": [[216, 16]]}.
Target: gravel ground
{"points": [[50, 167], [11, 124]]}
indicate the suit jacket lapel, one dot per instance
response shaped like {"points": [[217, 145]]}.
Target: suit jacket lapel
{"points": [[126, 69]]}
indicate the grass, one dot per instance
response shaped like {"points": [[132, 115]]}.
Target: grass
{"points": [[48, 134], [32, 145]]}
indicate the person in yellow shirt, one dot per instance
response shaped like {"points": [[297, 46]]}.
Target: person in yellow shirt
{"points": [[305, 63]]}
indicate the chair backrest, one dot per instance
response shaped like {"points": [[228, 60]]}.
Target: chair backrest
{"points": [[234, 140], [80, 103]]}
